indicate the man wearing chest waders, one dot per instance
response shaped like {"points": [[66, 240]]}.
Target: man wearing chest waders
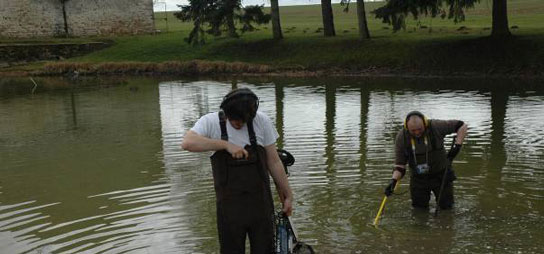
{"points": [[245, 153], [420, 144]]}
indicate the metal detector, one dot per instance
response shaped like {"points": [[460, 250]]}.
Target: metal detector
{"points": [[287, 241]]}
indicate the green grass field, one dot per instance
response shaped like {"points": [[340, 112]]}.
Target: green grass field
{"points": [[526, 14], [426, 44]]}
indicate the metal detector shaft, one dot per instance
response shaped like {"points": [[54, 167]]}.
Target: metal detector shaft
{"points": [[292, 228], [443, 181], [377, 219]]}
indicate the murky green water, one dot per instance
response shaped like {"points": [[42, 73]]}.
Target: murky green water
{"points": [[96, 167]]}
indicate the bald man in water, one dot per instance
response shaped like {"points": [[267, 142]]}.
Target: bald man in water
{"points": [[420, 144]]}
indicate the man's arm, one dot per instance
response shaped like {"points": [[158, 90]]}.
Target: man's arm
{"points": [[280, 178], [446, 127], [399, 169], [461, 134], [397, 174], [193, 142], [400, 164]]}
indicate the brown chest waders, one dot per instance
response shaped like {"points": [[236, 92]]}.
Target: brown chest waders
{"points": [[243, 198], [421, 185]]}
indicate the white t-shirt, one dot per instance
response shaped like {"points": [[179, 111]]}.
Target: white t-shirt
{"points": [[266, 134]]}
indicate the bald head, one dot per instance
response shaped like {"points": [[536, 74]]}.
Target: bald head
{"points": [[415, 126]]}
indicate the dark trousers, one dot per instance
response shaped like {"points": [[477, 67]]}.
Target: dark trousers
{"points": [[421, 187], [243, 216]]}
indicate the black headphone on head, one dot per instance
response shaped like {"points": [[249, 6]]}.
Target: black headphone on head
{"points": [[237, 93], [416, 113]]}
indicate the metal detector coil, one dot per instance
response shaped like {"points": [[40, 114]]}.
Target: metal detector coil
{"points": [[287, 159], [286, 237]]}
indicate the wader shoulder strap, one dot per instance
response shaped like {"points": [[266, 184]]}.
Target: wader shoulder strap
{"points": [[223, 124], [251, 131], [253, 141]]}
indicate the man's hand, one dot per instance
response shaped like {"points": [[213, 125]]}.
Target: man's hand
{"points": [[390, 188], [237, 152], [287, 206], [286, 201], [454, 151]]}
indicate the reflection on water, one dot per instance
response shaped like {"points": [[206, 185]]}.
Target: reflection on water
{"points": [[100, 170]]}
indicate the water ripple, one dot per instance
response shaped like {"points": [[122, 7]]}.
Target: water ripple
{"points": [[102, 171]]}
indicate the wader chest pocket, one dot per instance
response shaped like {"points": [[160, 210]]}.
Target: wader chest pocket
{"points": [[242, 162]]}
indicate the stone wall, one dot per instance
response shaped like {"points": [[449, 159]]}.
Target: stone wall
{"points": [[30, 18], [44, 18]]}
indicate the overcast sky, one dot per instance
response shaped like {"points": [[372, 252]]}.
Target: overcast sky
{"points": [[171, 4]]}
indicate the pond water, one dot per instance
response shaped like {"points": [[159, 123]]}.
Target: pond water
{"points": [[95, 166]]}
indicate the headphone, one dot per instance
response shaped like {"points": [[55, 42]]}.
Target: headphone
{"points": [[237, 93], [416, 113]]}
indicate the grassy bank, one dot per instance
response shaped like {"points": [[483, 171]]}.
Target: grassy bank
{"points": [[427, 45]]}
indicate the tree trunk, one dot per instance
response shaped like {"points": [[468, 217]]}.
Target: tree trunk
{"points": [[280, 95], [361, 17], [275, 13], [328, 22], [65, 19], [330, 134], [500, 19], [230, 7], [231, 26]]}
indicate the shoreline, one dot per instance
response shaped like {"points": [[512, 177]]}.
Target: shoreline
{"points": [[221, 68]]}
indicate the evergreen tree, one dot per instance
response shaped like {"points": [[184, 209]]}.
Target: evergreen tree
{"points": [[215, 16], [394, 12]]}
